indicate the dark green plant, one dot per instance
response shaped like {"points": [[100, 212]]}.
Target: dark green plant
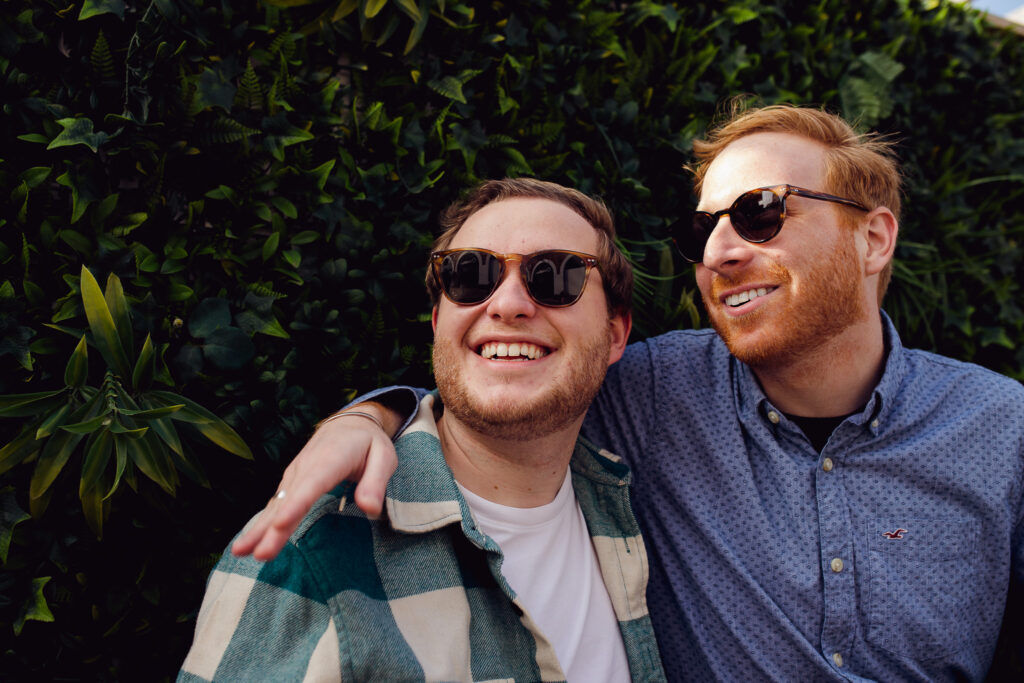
{"points": [[128, 425]]}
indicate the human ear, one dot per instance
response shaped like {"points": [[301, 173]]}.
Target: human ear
{"points": [[879, 230], [619, 326]]}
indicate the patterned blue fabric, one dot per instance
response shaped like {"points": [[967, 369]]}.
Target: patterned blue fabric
{"points": [[886, 557]]}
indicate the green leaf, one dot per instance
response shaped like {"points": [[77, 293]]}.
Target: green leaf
{"points": [[372, 7], [92, 506], [411, 8], [11, 515], [56, 452], [304, 237], [24, 405], [211, 314], [209, 425], [180, 292], [321, 173], [92, 8], [32, 177], [35, 607], [77, 368], [127, 432], [19, 449], [121, 449], [228, 348], [150, 457], [215, 90], [101, 322], [87, 426], [886, 68], [164, 428], [55, 420], [78, 132], [152, 413], [281, 134], [98, 450], [270, 245], [285, 207], [118, 306], [145, 365]]}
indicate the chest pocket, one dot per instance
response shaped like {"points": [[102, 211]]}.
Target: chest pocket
{"points": [[921, 596]]}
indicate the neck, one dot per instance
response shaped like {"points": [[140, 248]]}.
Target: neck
{"points": [[835, 379], [522, 474]]}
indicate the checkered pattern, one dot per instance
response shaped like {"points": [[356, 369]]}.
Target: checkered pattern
{"points": [[417, 595]]}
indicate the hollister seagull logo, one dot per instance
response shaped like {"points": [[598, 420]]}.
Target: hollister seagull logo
{"points": [[898, 534]]}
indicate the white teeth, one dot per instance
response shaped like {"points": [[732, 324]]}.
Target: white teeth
{"points": [[744, 297], [513, 351]]}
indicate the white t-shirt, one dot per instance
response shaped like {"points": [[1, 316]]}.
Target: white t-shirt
{"points": [[551, 565]]}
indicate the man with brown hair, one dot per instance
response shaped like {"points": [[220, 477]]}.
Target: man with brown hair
{"points": [[509, 550], [820, 503]]}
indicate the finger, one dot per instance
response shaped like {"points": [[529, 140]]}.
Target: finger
{"points": [[381, 463], [254, 530]]}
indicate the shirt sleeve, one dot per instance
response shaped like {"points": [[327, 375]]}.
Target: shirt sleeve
{"points": [[619, 419], [263, 622], [403, 400]]}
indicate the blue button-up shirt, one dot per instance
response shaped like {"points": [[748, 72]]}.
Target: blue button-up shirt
{"points": [[885, 557]]}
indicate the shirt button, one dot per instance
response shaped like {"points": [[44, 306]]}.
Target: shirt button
{"points": [[837, 566], [773, 417], [826, 464], [874, 424], [838, 659]]}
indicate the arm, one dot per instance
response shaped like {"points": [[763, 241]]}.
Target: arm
{"points": [[351, 448]]}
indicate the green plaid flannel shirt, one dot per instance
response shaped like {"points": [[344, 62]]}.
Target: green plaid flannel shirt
{"points": [[415, 596]]}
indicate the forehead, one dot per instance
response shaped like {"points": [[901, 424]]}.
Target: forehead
{"points": [[761, 160], [524, 225]]}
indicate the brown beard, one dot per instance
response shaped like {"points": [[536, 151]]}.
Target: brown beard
{"points": [[829, 303], [563, 403]]}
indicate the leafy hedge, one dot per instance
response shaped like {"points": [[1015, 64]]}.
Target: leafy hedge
{"points": [[263, 179]]}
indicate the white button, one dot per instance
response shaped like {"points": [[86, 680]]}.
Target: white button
{"points": [[773, 417], [837, 566], [838, 659], [874, 424], [826, 464]]}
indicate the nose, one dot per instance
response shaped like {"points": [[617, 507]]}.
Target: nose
{"points": [[725, 249], [511, 300]]}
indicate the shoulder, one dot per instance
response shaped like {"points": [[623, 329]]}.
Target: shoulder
{"points": [[925, 365], [680, 340], [936, 388]]}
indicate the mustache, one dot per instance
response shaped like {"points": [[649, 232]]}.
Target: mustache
{"points": [[773, 273]]}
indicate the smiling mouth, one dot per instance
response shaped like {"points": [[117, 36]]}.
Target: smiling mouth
{"points": [[512, 351], [740, 298]]}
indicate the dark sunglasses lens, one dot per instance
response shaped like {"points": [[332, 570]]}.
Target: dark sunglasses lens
{"points": [[757, 215], [469, 277], [555, 278], [691, 236]]}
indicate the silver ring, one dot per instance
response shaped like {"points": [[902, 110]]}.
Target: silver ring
{"points": [[280, 495]]}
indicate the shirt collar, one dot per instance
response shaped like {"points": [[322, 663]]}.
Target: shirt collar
{"points": [[422, 494], [750, 398]]}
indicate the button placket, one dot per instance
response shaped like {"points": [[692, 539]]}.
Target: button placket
{"points": [[839, 592]]}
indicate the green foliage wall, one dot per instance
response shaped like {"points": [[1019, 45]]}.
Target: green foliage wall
{"points": [[264, 178]]}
